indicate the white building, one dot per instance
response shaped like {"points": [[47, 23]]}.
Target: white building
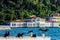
{"points": [[17, 23], [55, 17], [38, 22], [51, 24], [34, 21]]}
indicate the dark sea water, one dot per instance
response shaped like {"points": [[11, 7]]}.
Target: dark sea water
{"points": [[54, 33]]}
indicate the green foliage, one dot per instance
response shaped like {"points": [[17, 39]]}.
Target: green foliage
{"points": [[20, 9]]}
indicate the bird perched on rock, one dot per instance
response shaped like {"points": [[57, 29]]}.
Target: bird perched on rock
{"points": [[34, 35], [6, 34], [20, 35], [31, 33]]}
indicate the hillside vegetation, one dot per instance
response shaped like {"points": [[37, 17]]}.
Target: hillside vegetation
{"points": [[20, 9]]}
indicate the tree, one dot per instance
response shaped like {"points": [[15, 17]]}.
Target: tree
{"points": [[20, 9]]}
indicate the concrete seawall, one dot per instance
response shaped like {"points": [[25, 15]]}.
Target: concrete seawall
{"points": [[4, 27], [25, 38]]}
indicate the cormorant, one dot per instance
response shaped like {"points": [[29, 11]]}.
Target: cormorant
{"points": [[43, 30], [20, 35], [6, 34], [34, 35]]}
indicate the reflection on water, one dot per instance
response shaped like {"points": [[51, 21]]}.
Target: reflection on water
{"points": [[54, 33]]}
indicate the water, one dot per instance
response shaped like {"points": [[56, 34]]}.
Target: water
{"points": [[54, 33]]}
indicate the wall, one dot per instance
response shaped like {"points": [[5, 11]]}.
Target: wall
{"points": [[25, 38]]}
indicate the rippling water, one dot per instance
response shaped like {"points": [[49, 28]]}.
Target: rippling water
{"points": [[54, 33]]}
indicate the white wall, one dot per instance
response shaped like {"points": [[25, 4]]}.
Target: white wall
{"points": [[48, 24], [55, 24], [55, 18]]}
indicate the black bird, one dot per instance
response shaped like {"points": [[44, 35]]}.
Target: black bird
{"points": [[34, 35], [43, 30], [6, 34], [20, 35], [30, 31]]}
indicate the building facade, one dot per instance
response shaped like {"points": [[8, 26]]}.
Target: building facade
{"points": [[55, 18], [33, 21]]}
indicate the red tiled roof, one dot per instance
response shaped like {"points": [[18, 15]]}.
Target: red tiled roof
{"points": [[17, 20], [58, 15], [33, 16]]}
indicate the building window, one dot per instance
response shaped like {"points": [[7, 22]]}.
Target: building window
{"points": [[13, 24], [19, 25], [29, 25], [24, 24], [33, 24]]}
